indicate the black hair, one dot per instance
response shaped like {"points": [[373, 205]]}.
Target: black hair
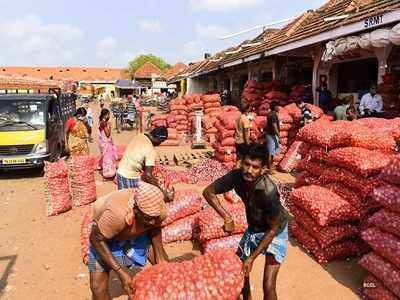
{"points": [[81, 111], [256, 151], [160, 132], [103, 112], [274, 104], [244, 107]]}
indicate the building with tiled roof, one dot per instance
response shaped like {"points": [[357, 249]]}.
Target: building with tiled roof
{"points": [[70, 73], [174, 71], [300, 48], [147, 71], [13, 83]]}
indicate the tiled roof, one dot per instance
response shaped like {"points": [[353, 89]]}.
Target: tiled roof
{"points": [[147, 70], [70, 73], [175, 70], [19, 82], [306, 25]]}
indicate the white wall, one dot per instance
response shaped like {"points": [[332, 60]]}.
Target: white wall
{"points": [[197, 85]]}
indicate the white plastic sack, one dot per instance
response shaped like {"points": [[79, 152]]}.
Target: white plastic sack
{"points": [[394, 36], [352, 43], [380, 37], [340, 46], [364, 41]]}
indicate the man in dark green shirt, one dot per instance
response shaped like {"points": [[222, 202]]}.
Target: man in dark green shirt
{"points": [[267, 219]]}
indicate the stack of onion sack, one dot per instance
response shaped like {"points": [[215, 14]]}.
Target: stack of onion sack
{"points": [[213, 276], [324, 224], [172, 138], [206, 172], [182, 221], [281, 97], [179, 115], [159, 120], [83, 183], [57, 195], [212, 105], [296, 152], [253, 93], [211, 226], [345, 157], [225, 149], [86, 229], [389, 92], [383, 235]]}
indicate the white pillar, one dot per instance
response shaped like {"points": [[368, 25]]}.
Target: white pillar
{"points": [[317, 55], [382, 54]]}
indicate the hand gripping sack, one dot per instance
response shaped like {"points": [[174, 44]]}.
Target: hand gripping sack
{"points": [[383, 270], [211, 223], [217, 275], [57, 193]]}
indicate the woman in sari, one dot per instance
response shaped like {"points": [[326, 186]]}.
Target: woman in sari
{"points": [[108, 162], [76, 133]]}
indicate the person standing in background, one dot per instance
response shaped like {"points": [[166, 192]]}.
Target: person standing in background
{"points": [[242, 132], [76, 133], [306, 114], [90, 121], [324, 95], [272, 135], [108, 162]]}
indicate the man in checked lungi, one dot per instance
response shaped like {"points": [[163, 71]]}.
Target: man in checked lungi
{"points": [[126, 232], [267, 219]]}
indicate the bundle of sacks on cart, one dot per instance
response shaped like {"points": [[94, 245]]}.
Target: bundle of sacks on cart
{"points": [[382, 233], [260, 95], [334, 186]]}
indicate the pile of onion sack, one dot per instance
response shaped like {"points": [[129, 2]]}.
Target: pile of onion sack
{"points": [[216, 275], [335, 183], [382, 233], [57, 194]]}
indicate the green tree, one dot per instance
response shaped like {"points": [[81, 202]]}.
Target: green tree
{"points": [[140, 60]]}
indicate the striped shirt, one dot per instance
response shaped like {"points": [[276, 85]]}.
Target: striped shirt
{"points": [[131, 108], [306, 114]]}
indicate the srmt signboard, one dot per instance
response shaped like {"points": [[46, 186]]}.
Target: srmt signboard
{"points": [[373, 21]]}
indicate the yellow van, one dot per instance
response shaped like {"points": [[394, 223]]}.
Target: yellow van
{"points": [[32, 128]]}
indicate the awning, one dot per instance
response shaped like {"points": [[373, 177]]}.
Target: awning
{"points": [[124, 84]]}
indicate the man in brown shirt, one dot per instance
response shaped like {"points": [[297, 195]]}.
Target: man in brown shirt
{"points": [[242, 134], [125, 224]]}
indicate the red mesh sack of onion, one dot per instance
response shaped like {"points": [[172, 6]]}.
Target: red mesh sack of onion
{"points": [[216, 275], [383, 270], [391, 173], [359, 160], [186, 203], [388, 196], [344, 249], [374, 289], [383, 243], [211, 223], [57, 193], [86, 229], [386, 220], [83, 183], [229, 242], [323, 205], [184, 229], [325, 236]]}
